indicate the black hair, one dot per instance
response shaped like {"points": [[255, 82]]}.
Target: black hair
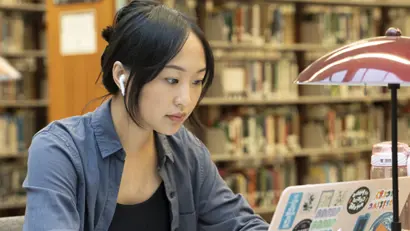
{"points": [[144, 37]]}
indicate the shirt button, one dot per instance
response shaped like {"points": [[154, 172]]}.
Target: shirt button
{"points": [[172, 194]]}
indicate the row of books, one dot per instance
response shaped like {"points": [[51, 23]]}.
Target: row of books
{"points": [[274, 79], [338, 25], [282, 131], [342, 125], [252, 131], [256, 79], [261, 186], [16, 131], [12, 31], [23, 88], [330, 171], [11, 180], [274, 23], [16, 26], [246, 23]]}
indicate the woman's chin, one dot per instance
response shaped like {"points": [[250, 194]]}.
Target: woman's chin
{"points": [[168, 130]]}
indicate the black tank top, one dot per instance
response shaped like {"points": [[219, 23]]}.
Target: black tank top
{"points": [[152, 214]]}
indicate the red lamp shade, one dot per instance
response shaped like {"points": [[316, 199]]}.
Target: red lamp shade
{"points": [[377, 61]]}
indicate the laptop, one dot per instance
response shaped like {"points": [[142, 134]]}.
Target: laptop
{"points": [[365, 205]]}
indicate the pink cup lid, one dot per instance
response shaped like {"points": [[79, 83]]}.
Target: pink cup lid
{"points": [[385, 147]]}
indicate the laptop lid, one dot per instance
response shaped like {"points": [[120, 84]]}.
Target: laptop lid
{"points": [[348, 206]]}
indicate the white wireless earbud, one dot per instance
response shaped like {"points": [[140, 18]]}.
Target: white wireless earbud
{"points": [[122, 87]]}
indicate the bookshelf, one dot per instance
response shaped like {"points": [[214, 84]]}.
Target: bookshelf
{"points": [[266, 133], [23, 103]]}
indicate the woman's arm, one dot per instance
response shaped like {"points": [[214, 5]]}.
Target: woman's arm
{"points": [[219, 208], [51, 185]]}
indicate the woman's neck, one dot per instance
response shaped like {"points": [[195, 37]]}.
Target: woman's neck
{"points": [[135, 140]]}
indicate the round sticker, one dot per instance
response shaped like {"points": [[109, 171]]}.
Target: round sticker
{"points": [[303, 225], [358, 200], [383, 222]]}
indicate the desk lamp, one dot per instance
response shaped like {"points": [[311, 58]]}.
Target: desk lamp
{"points": [[377, 61]]}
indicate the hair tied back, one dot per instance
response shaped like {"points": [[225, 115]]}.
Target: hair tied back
{"points": [[107, 33]]}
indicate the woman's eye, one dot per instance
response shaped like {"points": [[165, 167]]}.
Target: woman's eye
{"points": [[198, 82], [172, 80]]}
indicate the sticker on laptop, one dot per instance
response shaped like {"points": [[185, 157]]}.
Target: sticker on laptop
{"points": [[339, 198], [383, 199], [383, 222], [361, 222], [291, 210], [309, 202], [325, 199], [358, 200], [303, 225], [325, 218]]}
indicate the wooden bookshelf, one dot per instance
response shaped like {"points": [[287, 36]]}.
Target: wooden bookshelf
{"points": [[241, 50], [23, 103]]}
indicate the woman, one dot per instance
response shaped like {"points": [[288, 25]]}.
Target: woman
{"points": [[130, 164]]}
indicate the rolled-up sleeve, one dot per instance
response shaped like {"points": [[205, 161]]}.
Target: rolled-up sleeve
{"points": [[51, 184], [219, 208]]}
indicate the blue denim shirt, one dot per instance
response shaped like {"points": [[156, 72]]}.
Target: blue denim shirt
{"points": [[74, 173]]}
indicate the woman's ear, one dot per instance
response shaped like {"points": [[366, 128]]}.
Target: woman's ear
{"points": [[120, 76]]}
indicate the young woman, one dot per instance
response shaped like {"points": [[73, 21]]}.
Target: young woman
{"points": [[130, 164]]}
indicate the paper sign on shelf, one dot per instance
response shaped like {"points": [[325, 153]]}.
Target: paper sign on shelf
{"points": [[78, 35]]}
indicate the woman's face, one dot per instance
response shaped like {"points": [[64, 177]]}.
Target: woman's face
{"points": [[168, 100]]}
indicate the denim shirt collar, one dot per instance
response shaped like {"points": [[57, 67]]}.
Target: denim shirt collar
{"points": [[108, 140]]}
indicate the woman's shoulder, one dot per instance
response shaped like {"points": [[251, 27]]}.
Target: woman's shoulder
{"points": [[62, 132]]}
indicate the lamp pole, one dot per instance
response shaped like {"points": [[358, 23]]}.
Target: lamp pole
{"points": [[395, 225]]}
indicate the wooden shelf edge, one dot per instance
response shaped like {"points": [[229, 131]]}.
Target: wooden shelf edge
{"points": [[13, 155], [305, 152], [368, 3], [333, 151], [30, 7], [374, 3], [25, 53], [24, 103], [297, 100], [276, 47], [16, 202], [12, 206]]}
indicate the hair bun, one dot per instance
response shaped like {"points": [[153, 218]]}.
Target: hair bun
{"points": [[107, 33]]}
